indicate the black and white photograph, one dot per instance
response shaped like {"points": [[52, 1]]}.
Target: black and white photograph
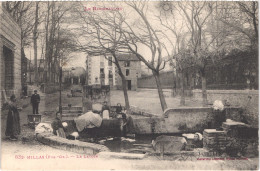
{"points": [[129, 85]]}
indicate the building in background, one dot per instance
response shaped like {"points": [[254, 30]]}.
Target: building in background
{"points": [[131, 68], [74, 76], [101, 71], [10, 56]]}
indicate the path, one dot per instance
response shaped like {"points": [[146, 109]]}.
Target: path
{"points": [[26, 143]]}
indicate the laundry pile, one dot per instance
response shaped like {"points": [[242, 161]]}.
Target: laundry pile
{"points": [[88, 120]]}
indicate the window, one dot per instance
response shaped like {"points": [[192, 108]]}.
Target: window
{"points": [[127, 72], [8, 68], [110, 74], [101, 70], [110, 61], [102, 74], [127, 63]]}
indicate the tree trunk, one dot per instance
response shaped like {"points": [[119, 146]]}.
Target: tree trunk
{"points": [[46, 62], [35, 35], [174, 93], [127, 106], [255, 23], [204, 88], [160, 91], [182, 89], [51, 43], [60, 78]]}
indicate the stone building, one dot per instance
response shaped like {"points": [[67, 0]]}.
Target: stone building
{"points": [[74, 75], [10, 55], [131, 67], [101, 71]]}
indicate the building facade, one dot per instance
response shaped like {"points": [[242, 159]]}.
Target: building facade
{"points": [[131, 68], [10, 55], [74, 75], [101, 71]]}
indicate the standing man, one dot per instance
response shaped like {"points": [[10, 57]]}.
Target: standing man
{"points": [[35, 100]]}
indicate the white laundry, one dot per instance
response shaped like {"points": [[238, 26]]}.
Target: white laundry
{"points": [[43, 127], [105, 114], [88, 120], [64, 124]]}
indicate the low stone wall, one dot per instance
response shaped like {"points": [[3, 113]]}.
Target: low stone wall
{"points": [[50, 88], [166, 92], [134, 110], [181, 120], [70, 145], [247, 99]]}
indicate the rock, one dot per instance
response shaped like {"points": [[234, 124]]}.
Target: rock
{"points": [[168, 144], [213, 138], [130, 135]]}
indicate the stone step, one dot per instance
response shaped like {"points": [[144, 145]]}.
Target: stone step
{"points": [[72, 108], [70, 114], [71, 111]]}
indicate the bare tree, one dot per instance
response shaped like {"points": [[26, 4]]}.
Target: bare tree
{"points": [[197, 15], [105, 40], [55, 17], [143, 33], [35, 36], [175, 35], [241, 18]]}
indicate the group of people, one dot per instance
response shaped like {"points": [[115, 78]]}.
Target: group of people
{"points": [[84, 120], [13, 117]]}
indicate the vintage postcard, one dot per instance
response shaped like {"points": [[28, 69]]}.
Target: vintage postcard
{"points": [[129, 85]]}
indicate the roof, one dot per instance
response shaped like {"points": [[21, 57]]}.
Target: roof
{"points": [[127, 57]]}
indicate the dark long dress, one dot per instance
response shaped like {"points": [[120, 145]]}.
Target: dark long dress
{"points": [[13, 121]]}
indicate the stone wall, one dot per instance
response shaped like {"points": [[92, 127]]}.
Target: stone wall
{"points": [[134, 110], [10, 37], [181, 120], [50, 88], [70, 145], [247, 99]]}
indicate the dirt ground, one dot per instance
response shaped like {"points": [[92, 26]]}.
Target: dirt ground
{"points": [[148, 99], [28, 154]]}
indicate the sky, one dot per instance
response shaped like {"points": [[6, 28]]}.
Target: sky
{"points": [[78, 59]]}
